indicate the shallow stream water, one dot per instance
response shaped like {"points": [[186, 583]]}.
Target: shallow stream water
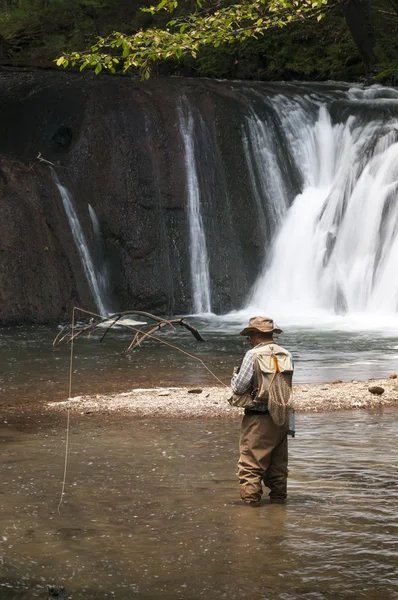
{"points": [[151, 511], [32, 371], [151, 508]]}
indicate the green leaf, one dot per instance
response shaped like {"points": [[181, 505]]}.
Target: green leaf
{"points": [[226, 23]]}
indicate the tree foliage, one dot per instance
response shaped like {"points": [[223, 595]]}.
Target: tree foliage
{"points": [[358, 39], [38, 29], [185, 35]]}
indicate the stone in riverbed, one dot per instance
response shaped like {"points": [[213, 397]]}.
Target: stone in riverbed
{"points": [[393, 376], [376, 389], [337, 381], [195, 391], [56, 591]]}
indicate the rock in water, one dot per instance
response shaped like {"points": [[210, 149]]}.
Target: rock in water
{"points": [[56, 592], [376, 389], [393, 376], [195, 391]]}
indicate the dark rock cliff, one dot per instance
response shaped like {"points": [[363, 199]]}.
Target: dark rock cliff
{"points": [[116, 145]]}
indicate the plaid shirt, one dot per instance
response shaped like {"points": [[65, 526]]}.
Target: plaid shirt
{"points": [[242, 382]]}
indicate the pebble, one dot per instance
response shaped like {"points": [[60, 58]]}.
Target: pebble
{"points": [[212, 401], [337, 381], [195, 391], [393, 376]]}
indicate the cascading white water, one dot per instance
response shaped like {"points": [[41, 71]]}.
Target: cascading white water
{"points": [[82, 247], [200, 278], [337, 247], [262, 159]]}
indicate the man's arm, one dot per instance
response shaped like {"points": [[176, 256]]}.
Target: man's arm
{"points": [[242, 382]]}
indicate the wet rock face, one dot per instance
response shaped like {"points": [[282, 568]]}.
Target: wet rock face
{"points": [[38, 267], [116, 145]]}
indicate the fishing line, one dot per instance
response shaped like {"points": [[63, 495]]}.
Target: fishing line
{"points": [[181, 350], [162, 342], [75, 308], [68, 413]]}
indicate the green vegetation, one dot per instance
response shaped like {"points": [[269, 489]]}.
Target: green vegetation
{"points": [[186, 34], [260, 39]]}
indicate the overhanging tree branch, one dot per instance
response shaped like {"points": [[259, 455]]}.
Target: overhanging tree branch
{"points": [[185, 36]]}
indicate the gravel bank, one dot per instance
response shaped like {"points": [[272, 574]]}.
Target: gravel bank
{"points": [[212, 402]]}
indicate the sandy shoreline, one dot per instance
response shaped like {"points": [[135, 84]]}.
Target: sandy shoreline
{"points": [[211, 402]]}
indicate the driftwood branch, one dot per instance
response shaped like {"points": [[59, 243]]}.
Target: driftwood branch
{"points": [[41, 159], [140, 334]]}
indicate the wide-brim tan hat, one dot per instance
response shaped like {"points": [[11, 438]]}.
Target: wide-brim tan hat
{"points": [[262, 325]]}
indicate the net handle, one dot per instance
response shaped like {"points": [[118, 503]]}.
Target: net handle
{"points": [[276, 364]]}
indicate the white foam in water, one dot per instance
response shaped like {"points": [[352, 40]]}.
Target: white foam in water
{"points": [[124, 321]]}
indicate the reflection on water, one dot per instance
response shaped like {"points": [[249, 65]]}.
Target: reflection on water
{"points": [[32, 370], [151, 511]]}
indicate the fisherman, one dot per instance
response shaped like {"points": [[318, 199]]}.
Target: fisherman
{"points": [[263, 443]]}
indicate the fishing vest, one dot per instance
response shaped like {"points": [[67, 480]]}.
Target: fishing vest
{"points": [[269, 359]]}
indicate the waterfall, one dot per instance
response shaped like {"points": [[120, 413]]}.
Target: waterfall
{"points": [[269, 192], [102, 270], [82, 247], [200, 278], [336, 247]]}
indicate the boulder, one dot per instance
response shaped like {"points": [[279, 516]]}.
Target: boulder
{"points": [[376, 389]]}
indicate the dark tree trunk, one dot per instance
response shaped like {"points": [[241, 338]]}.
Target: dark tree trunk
{"points": [[359, 22], [3, 46], [394, 4]]}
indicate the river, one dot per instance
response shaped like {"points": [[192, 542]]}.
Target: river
{"points": [[151, 510], [33, 372]]}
